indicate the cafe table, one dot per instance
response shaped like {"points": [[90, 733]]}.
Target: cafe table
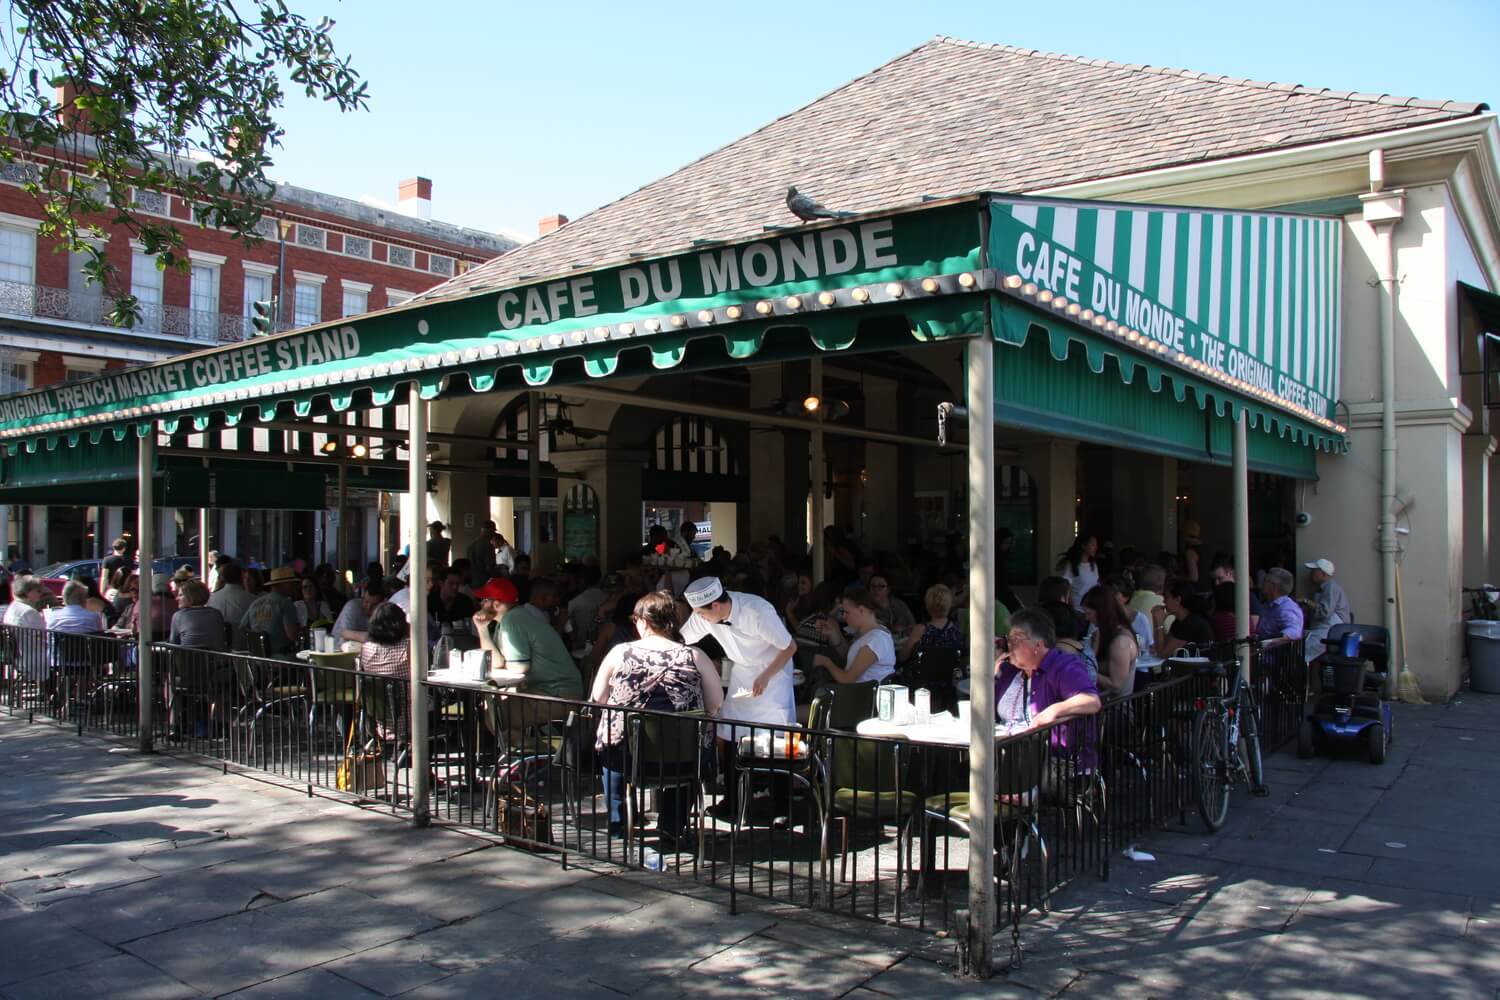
{"points": [[470, 689]]}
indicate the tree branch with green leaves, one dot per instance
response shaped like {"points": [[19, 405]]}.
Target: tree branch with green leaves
{"points": [[100, 99]]}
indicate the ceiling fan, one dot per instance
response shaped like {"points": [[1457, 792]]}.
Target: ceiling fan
{"points": [[558, 421]]}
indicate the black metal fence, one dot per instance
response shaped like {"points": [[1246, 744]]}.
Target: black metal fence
{"points": [[84, 681], [815, 816]]}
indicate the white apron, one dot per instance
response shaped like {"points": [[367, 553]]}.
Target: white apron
{"points": [[777, 706]]}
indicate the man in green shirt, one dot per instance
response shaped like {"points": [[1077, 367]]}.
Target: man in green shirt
{"points": [[521, 641], [530, 644]]}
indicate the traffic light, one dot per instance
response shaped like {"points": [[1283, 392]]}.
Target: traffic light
{"points": [[262, 319]]}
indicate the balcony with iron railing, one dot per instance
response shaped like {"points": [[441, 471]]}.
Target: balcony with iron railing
{"points": [[199, 326]]}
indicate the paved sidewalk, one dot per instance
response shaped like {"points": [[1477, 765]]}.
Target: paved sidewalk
{"points": [[124, 876]]}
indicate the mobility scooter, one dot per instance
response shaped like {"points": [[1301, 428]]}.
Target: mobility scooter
{"points": [[1350, 706]]}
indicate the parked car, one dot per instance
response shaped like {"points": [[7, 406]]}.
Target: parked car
{"points": [[56, 574]]}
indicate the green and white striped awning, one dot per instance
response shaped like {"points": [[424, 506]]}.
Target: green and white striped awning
{"points": [[1239, 309]]}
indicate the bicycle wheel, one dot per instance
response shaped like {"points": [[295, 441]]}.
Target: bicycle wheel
{"points": [[1210, 768], [1255, 768]]}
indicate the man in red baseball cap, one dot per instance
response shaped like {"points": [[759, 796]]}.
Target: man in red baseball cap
{"points": [[526, 644]]}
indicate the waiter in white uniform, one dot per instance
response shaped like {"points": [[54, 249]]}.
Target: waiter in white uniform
{"points": [[759, 649]]}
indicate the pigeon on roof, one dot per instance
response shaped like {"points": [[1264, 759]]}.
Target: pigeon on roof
{"points": [[807, 210]]}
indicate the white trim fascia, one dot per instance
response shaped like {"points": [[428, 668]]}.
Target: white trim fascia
{"points": [[19, 222], [309, 278], [207, 259], [256, 267], [1447, 412], [356, 286], [1421, 141], [19, 357], [1475, 191], [73, 364]]}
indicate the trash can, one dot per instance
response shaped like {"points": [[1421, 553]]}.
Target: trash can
{"points": [[1484, 656]]}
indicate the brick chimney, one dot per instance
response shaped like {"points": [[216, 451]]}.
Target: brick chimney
{"points": [[550, 223], [415, 198], [69, 115]]}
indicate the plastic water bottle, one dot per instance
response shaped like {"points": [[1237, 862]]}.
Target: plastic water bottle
{"points": [[652, 860]]}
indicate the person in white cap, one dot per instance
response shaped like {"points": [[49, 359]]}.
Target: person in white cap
{"points": [[1328, 607], [759, 648]]}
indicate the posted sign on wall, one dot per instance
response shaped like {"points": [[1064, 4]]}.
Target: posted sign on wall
{"points": [[1252, 295]]}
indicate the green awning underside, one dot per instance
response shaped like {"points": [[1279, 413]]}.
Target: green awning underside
{"points": [[1052, 376]]}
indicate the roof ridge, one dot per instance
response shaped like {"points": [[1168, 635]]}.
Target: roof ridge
{"points": [[1468, 107]]}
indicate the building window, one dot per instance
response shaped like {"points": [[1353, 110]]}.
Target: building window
{"points": [[145, 279], [394, 297], [400, 256], [356, 301], [357, 246], [311, 236], [266, 228], [440, 265], [17, 255], [205, 301], [14, 377], [309, 304], [257, 289]]}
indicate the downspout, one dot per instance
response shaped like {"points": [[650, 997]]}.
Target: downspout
{"points": [[1383, 210]]}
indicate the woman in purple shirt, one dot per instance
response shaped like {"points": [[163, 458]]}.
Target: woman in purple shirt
{"points": [[1038, 684]]}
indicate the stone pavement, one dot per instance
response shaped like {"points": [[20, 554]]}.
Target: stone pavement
{"points": [[124, 876]]}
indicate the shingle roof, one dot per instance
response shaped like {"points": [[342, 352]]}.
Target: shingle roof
{"points": [[954, 117]]}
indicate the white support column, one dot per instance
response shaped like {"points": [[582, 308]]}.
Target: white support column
{"points": [[145, 554], [203, 566], [819, 550], [1241, 527], [534, 469], [341, 552], [421, 790], [981, 403]]}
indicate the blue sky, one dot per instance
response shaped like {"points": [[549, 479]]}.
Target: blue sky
{"points": [[520, 110]]}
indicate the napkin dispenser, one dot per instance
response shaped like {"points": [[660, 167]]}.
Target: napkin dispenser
{"points": [[890, 702]]}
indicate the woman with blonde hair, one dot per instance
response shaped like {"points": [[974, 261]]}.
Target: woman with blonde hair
{"points": [[940, 630]]}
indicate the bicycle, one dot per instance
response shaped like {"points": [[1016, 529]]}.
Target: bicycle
{"points": [[1225, 748]]}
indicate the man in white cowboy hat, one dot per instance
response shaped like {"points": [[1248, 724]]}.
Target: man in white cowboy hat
{"points": [[1329, 605], [274, 612]]}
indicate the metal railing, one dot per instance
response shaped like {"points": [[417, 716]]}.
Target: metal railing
{"points": [[815, 816], [84, 681], [93, 309]]}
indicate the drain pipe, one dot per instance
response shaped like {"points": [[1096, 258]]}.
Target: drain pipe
{"points": [[1383, 210]]}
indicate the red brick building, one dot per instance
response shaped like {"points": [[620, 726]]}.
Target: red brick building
{"points": [[323, 256]]}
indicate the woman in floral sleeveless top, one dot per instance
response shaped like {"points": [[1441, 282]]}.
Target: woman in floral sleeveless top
{"points": [[654, 672]]}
